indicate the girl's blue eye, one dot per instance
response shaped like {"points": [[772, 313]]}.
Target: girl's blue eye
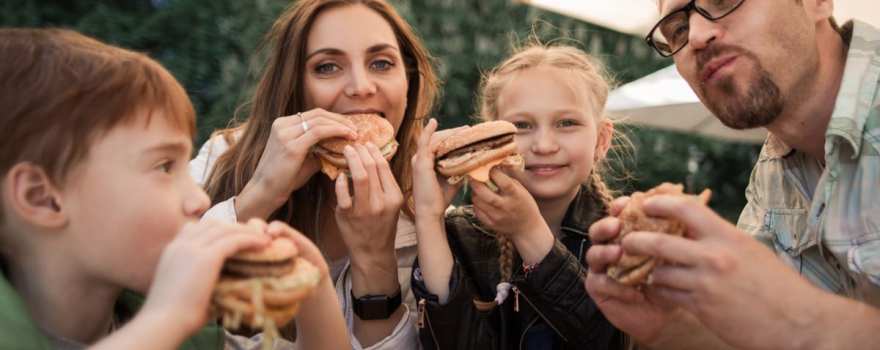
{"points": [[522, 125], [567, 123]]}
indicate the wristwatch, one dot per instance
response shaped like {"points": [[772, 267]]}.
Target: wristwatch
{"points": [[375, 307]]}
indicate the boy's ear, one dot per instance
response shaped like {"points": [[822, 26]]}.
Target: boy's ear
{"points": [[33, 197], [605, 133]]}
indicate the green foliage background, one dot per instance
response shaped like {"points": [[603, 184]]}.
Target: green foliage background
{"points": [[209, 46]]}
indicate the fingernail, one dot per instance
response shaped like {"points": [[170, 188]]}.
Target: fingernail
{"points": [[348, 149]]}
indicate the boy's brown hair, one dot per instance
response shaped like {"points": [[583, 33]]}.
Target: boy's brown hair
{"points": [[61, 90]]}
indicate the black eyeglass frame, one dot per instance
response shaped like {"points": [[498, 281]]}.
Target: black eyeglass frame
{"points": [[691, 6]]}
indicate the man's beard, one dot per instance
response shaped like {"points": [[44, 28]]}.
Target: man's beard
{"points": [[757, 107]]}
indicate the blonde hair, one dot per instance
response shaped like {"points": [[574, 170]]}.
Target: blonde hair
{"points": [[588, 77]]}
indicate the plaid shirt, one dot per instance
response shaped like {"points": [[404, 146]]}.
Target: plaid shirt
{"points": [[824, 220]]}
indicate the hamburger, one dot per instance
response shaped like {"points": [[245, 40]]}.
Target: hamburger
{"points": [[474, 150], [633, 270], [370, 128], [263, 289]]}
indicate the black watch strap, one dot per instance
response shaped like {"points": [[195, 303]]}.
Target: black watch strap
{"points": [[376, 307]]}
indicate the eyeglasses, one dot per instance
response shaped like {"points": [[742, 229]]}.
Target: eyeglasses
{"points": [[672, 32]]}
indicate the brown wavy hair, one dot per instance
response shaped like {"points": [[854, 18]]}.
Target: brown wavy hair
{"points": [[280, 92]]}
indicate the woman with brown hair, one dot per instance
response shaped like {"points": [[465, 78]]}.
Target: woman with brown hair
{"points": [[328, 59]]}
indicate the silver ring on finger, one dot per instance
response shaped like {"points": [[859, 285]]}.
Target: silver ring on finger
{"points": [[305, 125]]}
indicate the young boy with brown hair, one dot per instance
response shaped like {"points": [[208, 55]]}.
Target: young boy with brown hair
{"points": [[97, 201]]}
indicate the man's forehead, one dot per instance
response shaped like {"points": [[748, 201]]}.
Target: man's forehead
{"points": [[665, 6]]}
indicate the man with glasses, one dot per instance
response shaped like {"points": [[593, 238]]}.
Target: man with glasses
{"points": [[813, 198]]}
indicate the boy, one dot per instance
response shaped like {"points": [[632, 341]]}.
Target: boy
{"points": [[94, 152]]}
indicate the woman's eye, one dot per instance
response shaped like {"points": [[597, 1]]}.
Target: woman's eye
{"points": [[326, 68], [382, 65]]}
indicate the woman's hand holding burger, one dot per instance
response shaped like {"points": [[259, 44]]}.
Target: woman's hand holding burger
{"points": [[287, 162], [367, 218]]}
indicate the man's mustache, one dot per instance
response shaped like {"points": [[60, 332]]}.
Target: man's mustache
{"points": [[716, 50]]}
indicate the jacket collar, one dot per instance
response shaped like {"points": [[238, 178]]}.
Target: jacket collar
{"points": [[585, 209]]}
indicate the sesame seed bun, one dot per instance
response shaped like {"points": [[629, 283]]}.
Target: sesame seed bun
{"points": [[371, 128]]}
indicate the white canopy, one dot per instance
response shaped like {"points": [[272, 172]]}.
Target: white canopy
{"points": [[663, 99], [637, 16]]}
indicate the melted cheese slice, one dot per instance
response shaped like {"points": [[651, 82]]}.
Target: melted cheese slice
{"points": [[328, 168], [481, 174]]}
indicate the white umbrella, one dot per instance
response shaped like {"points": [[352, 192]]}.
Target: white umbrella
{"points": [[637, 16], [625, 16], [663, 99]]}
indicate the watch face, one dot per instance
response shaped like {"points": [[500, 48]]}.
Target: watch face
{"points": [[375, 307]]}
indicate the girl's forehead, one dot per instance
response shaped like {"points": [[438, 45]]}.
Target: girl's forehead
{"points": [[548, 88]]}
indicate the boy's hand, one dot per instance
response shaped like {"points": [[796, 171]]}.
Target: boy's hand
{"points": [[307, 249], [512, 211], [189, 268]]}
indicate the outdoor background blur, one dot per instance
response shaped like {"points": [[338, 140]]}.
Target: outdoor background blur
{"points": [[210, 46]]}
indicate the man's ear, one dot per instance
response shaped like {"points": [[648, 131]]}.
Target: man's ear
{"points": [[605, 134], [32, 196]]}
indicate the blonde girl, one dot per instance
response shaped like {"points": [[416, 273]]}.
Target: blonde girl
{"points": [[526, 239]]}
